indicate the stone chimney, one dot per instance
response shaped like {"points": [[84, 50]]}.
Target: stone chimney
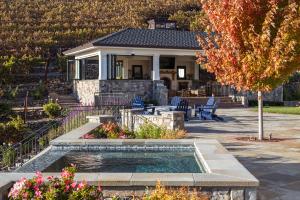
{"points": [[161, 24]]}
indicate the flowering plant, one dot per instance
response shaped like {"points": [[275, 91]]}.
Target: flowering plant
{"points": [[54, 188], [109, 130]]}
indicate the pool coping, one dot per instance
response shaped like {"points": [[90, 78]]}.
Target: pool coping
{"points": [[222, 168]]}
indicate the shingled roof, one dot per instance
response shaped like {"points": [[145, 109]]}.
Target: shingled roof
{"points": [[145, 38]]}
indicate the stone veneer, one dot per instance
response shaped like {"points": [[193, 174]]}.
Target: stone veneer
{"points": [[85, 90], [149, 90], [133, 118]]}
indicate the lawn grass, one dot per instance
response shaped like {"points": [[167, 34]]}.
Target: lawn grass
{"points": [[280, 110]]}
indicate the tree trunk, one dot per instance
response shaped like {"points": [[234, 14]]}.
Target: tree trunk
{"points": [[260, 116], [46, 70]]}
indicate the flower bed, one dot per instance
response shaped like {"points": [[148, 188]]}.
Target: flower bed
{"points": [[146, 131], [54, 188], [65, 188]]}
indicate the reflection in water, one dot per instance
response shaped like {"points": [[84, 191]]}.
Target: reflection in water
{"points": [[136, 162]]}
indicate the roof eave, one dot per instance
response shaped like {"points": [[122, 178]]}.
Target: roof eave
{"points": [[79, 49], [150, 47]]}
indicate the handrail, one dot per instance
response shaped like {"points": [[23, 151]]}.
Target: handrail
{"points": [[16, 155]]}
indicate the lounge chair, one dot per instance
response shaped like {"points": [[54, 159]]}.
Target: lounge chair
{"points": [[137, 102], [183, 106], [207, 112], [175, 101]]}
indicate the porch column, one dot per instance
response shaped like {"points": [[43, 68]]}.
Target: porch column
{"points": [[196, 71], [102, 66], [77, 69], [155, 72]]}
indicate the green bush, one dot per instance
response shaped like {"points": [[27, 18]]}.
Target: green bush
{"points": [[40, 91], [12, 131], [12, 93], [52, 110], [5, 109], [291, 92], [8, 155], [148, 130], [151, 131]]}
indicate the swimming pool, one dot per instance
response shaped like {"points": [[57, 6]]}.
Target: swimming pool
{"points": [[129, 162]]}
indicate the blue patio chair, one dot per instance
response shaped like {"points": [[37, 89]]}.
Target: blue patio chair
{"points": [[175, 101], [137, 102], [207, 112], [183, 106]]}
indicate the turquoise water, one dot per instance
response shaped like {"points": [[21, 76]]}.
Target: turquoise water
{"points": [[129, 162]]}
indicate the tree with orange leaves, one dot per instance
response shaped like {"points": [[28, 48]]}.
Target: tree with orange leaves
{"points": [[253, 44]]}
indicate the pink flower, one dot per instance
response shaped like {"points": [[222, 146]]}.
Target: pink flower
{"points": [[73, 165], [99, 187], [122, 136], [73, 185], [39, 178], [88, 136], [17, 188], [25, 195], [81, 185], [38, 193], [50, 178], [65, 174], [67, 187]]}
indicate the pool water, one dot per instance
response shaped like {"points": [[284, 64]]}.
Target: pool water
{"points": [[129, 162]]}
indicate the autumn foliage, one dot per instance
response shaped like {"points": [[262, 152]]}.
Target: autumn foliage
{"points": [[253, 44]]}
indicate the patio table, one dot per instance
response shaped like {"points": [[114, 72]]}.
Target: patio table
{"points": [[165, 108]]}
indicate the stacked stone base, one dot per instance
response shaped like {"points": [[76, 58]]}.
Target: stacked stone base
{"points": [[149, 90]]}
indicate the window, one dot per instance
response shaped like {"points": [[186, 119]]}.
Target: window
{"points": [[167, 62], [137, 72], [181, 72], [119, 69]]}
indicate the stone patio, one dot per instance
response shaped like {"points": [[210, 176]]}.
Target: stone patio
{"points": [[276, 165]]}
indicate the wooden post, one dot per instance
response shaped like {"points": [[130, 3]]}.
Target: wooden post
{"points": [[25, 107], [260, 116]]}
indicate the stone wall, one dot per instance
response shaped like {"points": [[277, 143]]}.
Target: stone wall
{"points": [[141, 88], [85, 90], [133, 118]]}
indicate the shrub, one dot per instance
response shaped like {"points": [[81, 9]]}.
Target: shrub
{"points": [[148, 130], [162, 193], [40, 91], [12, 131], [145, 131], [8, 155], [151, 131], [5, 109], [63, 188], [12, 93], [52, 109]]}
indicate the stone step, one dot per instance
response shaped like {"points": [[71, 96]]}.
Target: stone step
{"points": [[65, 100]]}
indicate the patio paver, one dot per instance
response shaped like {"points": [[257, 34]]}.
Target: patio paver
{"points": [[276, 165]]}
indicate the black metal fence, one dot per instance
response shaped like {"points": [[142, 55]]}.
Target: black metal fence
{"points": [[14, 156]]}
